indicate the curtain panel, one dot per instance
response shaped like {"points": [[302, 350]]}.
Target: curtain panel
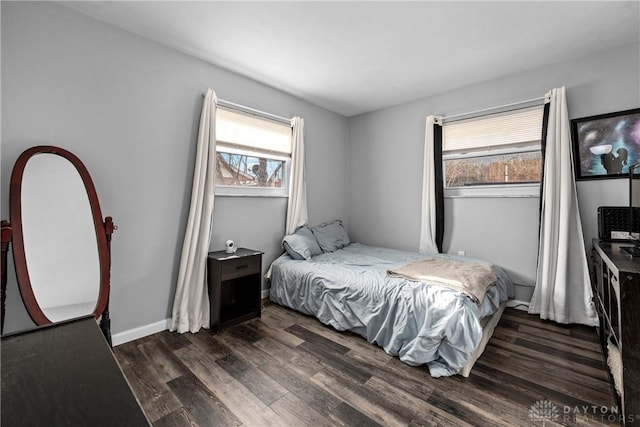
{"points": [[432, 218], [297, 204], [191, 301], [543, 149], [562, 292]]}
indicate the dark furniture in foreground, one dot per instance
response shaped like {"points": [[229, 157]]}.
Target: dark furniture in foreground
{"points": [[65, 374], [234, 282], [616, 290]]}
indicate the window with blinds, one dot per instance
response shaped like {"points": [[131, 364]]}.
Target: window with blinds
{"points": [[251, 153], [495, 150]]}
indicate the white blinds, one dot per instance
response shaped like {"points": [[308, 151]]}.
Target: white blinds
{"points": [[494, 131], [247, 131]]}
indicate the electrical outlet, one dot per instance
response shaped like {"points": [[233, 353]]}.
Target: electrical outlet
{"points": [[461, 253]]}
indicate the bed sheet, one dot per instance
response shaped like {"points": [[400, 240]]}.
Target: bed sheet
{"points": [[349, 289]]}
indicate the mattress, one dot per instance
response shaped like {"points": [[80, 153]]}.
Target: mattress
{"points": [[421, 323]]}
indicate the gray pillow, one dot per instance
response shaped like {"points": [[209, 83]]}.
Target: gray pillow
{"points": [[331, 236], [301, 244]]}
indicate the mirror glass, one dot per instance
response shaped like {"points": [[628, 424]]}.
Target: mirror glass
{"points": [[59, 235]]}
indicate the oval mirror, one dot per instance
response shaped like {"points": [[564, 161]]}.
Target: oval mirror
{"points": [[60, 247]]}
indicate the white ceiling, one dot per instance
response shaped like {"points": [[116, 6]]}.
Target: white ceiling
{"points": [[354, 57]]}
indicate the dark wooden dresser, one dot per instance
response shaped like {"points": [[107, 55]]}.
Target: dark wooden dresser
{"points": [[235, 282], [65, 374], [616, 289]]}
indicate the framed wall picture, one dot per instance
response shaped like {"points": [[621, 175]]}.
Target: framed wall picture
{"points": [[604, 146]]}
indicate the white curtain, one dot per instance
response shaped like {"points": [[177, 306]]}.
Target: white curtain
{"points": [[428, 218], [562, 292], [191, 302], [297, 204]]}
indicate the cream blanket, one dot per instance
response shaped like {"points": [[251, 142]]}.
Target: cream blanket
{"points": [[471, 278]]}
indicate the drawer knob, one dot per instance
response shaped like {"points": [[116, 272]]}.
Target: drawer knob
{"points": [[240, 267]]}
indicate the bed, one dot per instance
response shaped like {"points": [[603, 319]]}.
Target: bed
{"points": [[350, 288]]}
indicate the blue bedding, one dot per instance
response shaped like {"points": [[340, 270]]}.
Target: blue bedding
{"points": [[349, 289]]}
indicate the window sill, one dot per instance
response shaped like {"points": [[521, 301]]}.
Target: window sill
{"points": [[494, 191], [231, 191]]}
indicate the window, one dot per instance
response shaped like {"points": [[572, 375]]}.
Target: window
{"points": [[497, 154], [252, 154], [246, 171]]}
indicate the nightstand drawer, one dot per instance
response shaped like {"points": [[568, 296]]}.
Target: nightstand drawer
{"points": [[238, 267]]}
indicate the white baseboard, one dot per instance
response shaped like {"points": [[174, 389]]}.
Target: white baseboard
{"points": [[518, 305], [143, 331], [140, 332]]}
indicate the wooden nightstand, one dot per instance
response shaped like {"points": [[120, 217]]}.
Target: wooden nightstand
{"points": [[234, 282]]}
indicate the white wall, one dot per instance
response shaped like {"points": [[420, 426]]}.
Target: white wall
{"points": [[129, 108], [386, 151]]}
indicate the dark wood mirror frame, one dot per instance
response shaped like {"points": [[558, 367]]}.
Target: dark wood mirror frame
{"points": [[12, 232]]}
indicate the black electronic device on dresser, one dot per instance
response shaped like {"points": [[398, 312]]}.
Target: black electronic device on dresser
{"points": [[616, 293], [235, 282]]}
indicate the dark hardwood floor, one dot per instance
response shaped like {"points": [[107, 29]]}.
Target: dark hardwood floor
{"points": [[287, 369]]}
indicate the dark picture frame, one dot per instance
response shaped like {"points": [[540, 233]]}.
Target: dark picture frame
{"points": [[605, 145]]}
